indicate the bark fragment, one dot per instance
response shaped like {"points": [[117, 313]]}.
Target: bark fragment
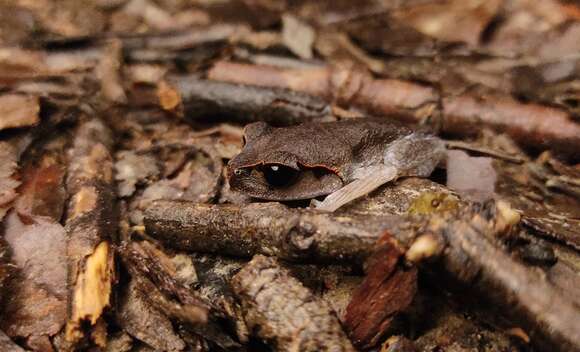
{"points": [[342, 85], [157, 277], [283, 311], [108, 72], [451, 21], [471, 252], [148, 260], [36, 308], [42, 192], [146, 323], [18, 111], [264, 228], [532, 125], [545, 213], [475, 259], [387, 289], [199, 98], [36, 304], [90, 226], [8, 181]]}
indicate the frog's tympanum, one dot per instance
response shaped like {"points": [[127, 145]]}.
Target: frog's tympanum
{"points": [[344, 160]]}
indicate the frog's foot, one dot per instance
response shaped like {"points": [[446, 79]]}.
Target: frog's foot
{"points": [[357, 188]]}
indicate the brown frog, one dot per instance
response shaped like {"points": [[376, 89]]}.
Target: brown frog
{"points": [[344, 160]]}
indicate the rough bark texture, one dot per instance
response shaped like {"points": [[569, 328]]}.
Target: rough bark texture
{"points": [[388, 289], [156, 276], [146, 259], [267, 228], [91, 227], [8, 176], [198, 99], [471, 252], [342, 85], [35, 306], [146, 323], [474, 258], [176, 81], [280, 309]]}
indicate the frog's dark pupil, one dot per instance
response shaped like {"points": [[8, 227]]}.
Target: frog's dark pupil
{"points": [[279, 175]]}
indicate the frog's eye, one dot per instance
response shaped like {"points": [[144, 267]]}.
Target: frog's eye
{"points": [[279, 175]]}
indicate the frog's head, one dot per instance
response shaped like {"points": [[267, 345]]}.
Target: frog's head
{"points": [[268, 167]]}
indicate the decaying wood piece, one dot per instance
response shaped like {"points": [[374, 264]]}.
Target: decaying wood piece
{"points": [[90, 226], [156, 276], [532, 125], [198, 98], [34, 309], [8, 182], [280, 309], [213, 285], [468, 244], [388, 288], [18, 111], [141, 320], [474, 257], [264, 228], [13, 150], [341, 85], [42, 191], [545, 213], [182, 40], [157, 266]]}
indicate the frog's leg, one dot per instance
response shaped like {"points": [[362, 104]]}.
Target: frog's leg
{"points": [[357, 188], [413, 155]]}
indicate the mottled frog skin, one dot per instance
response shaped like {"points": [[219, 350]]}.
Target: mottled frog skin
{"points": [[316, 159]]}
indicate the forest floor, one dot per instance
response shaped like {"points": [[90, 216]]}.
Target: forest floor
{"points": [[119, 230]]}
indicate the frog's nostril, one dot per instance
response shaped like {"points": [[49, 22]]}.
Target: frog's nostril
{"points": [[240, 172]]}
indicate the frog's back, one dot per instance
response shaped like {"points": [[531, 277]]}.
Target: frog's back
{"points": [[337, 145]]}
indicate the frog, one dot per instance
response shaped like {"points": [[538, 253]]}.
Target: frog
{"points": [[341, 160]]}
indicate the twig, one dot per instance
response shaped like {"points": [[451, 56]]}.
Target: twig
{"points": [[282, 310], [485, 151], [532, 125], [199, 98], [267, 228], [466, 242], [90, 224]]}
